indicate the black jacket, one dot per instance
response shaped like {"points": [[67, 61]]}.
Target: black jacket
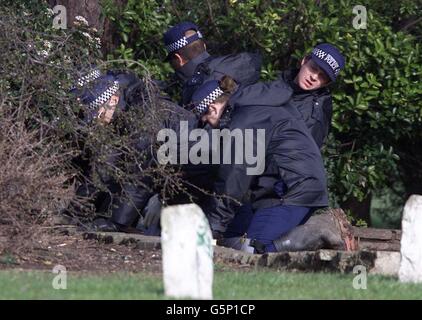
{"points": [[291, 155], [315, 106], [129, 199], [244, 68]]}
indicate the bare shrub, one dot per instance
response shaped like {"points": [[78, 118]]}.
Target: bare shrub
{"points": [[32, 177], [42, 134], [32, 181]]}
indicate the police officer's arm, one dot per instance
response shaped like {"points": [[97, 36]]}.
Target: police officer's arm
{"points": [[327, 109], [322, 124], [276, 92]]}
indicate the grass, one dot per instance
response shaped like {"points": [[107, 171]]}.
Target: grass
{"points": [[227, 285]]}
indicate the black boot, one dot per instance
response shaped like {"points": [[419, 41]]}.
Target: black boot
{"points": [[128, 207], [319, 232], [149, 223]]}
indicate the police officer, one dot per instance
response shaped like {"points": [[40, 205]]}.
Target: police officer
{"points": [[309, 83], [291, 155], [188, 56], [193, 66], [311, 96], [103, 96]]}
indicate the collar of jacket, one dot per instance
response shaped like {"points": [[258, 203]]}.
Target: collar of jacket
{"points": [[187, 70], [289, 76]]}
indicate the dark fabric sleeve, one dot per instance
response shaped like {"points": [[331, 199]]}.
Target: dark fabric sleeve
{"points": [[230, 187], [244, 68], [274, 93], [322, 116]]}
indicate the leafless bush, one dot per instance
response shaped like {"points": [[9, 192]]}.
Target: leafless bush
{"points": [[41, 129], [32, 175], [33, 184]]}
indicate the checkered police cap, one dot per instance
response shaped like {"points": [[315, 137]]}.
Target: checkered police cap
{"points": [[95, 89], [174, 39], [329, 59], [205, 95], [105, 96], [84, 80]]}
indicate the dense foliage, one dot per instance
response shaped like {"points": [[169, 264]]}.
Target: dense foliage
{"points": [[44, 140], [374, 142], [377, 105]]}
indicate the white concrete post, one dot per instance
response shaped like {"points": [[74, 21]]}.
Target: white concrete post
{"points": [[411, 241], [186, 242]]}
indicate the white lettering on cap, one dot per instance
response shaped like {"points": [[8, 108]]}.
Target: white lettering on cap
{"points": [[332, 62]]}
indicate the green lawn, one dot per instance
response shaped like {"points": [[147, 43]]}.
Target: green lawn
{"points": [[227, 285]]}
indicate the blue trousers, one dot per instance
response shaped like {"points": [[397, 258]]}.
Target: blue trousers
{"points": [[268, 224]]}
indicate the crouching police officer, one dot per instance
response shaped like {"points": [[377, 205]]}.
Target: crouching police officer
{"points": [[309, 83], [312, 98], [188, 56], [103, 96], [291, 155]]}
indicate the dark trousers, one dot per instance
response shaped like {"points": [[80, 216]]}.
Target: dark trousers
{"points": [[268, 224]]}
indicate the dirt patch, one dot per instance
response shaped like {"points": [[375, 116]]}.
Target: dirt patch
{"points": [[77, 254], [70, 249]]}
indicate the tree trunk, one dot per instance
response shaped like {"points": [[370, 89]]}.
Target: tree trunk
{"points": [[92, 12], [89, 9]]}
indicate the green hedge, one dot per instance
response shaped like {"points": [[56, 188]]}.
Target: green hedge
{"points": [[376, 101], [377, 105]]}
